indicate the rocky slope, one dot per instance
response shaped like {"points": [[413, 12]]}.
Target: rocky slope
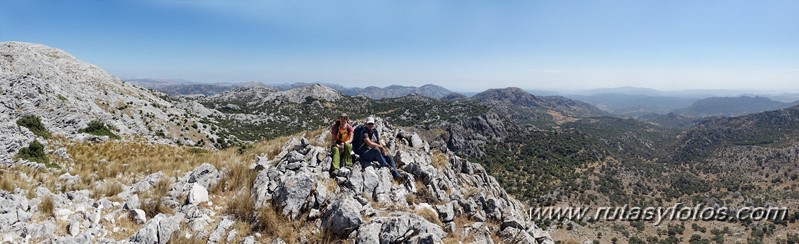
{"points": [[173, 88], [67, 94], [394, 91], [262, 94], [440, 197], [770, 129], [523, 106], [732, 106]]}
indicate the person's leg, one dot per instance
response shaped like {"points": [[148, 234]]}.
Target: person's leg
{"points": [[334, 152], [347, 154], [390, 161]]}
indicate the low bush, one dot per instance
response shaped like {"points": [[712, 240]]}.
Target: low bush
{"points": [[98, 128], [34, 124], [34, 153]]}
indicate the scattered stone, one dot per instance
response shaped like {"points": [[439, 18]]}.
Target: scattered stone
{"points": [[314, 214], [62, 214], [197, 194], [416, 141], [225, 224], [138, 216], [206, 175], [446, 212], [74, 228], [132, 202], [248, 240]]}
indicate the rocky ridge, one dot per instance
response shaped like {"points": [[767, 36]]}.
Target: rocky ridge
{"points": [[262, 94], [394, 91], [68, 94], [440, 196]]}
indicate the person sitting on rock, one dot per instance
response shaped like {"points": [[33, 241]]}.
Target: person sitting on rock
{"points": [[341, 136], [369, 149]]}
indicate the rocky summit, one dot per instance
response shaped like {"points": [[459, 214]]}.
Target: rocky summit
{"points": [[439, 197], [88, 158]]}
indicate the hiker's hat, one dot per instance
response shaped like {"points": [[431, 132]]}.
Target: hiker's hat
{"points": [[370, 120]]}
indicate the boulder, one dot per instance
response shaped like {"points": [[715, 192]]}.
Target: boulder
{"points": [[514, 235], [206, 175], [260, 189], [74, 228], [248, 240], [370, 181], [400, 227], [132, 202], [220, 230], [512, 223], [416, 141], [157, 230], [382, 192], [62, 214], [138, 216], [146, 183], [293, 192], [197, 194], [446, 212], [342, 217]]}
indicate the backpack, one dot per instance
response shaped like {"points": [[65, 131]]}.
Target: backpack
{"points": [[358, 143]]}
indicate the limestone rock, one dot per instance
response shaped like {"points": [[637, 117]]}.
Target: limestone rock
{"points": [[293, 193], [197, 194], [342, 218], [138, 216]]}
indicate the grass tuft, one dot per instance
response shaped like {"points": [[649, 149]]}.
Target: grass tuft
{"points": [[153, 202], [47, 207], [429, 215], [439, 159]]}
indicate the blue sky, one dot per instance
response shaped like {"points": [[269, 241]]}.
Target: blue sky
{"points": [[464, 45]]}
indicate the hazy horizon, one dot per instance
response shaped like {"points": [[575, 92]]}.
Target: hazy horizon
{"points": [[464, 46], [718, 92]]}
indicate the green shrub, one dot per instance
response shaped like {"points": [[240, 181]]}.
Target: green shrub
{"points": [[97, 128], [34, 153], [34, 124]]}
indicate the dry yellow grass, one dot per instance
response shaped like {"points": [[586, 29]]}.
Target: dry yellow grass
{"points": [[238, 176], [47, 207], [125, 161], [429, 215], [153, 203], [109, 189], [439, 159], [312, 135], [126, 227], [179, 237]]}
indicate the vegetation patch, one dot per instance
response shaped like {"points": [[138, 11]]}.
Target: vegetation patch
{"points": [[34, 124], [35, 153], [98, 128]]}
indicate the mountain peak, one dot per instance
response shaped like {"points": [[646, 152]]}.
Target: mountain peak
{"points": [[513, 95]]}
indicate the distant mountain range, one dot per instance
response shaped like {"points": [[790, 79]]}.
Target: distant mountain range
{"points": [[732, 106], [182, 87]]}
